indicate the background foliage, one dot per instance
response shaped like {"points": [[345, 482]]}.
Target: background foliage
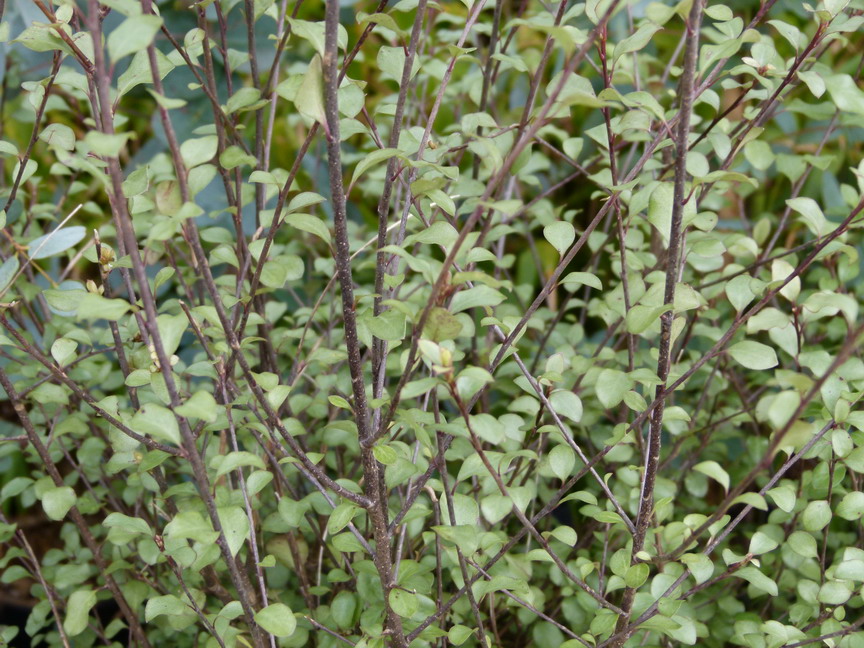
{"points": [[427, 323]]}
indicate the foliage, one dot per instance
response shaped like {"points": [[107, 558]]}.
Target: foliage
{"points": [[479, 323]]}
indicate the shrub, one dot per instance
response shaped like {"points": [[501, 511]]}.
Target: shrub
{"points": [[472, 323]]}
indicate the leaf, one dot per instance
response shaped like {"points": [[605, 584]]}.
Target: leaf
{"points": [[57, 501], [132, 35], [78, 607], [475, 297], [561, 235], [342, 608], [495, 507], [761, 543], [55, 242], [756, 578], [191, 525], [441, 325], [812, 215], [310, 95], [242, 98], [458, 634], [373, 159], [562, 459], [171, 329], [611, 386], [565, 402], [168, 605], [131, 525], [816, 516], [635, 41], [157, 422], [311, 224], [340, 517], [384, 454], [851, 507], [391, 61], [715, 471], [845, 93], [8, 271], [96, 307], [200, 405], [59, 136], [233, 460], [62, 349], [784, 497], [636, 575], [803, 544], [754, 355], [235, 526], [404, 603], [574, 279], [199, 150], [277, 619]]}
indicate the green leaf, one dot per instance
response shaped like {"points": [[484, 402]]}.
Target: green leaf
{"points": [[754, 355], [57, 501], [834, 593], [78, 607], [761, 543], [191, 525], [574, 279], [310, 95], [562, 460], [277, 619], [373, 159], [235, 526], [756, 578], [475, 297], [715, 471], [851, 507], [816, 516], [459, 634], [803, 544], [561, 235], [342, 608], [8, 271], [845, 93], [311, 224], [384, 454], [403, 603], [168, 605], [565, 402], [441, 325], [157, 422], [340, 517], [635, 41], [200, 405], [132, 35], [242, 98], [391, 61], [55, 242], [812, 215], [784, 497], [59, 136], [636, 575], [199, 150], [233, 460], [611, 386], [96, 307]]}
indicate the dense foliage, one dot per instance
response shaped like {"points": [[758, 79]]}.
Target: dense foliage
{"points": [[480, 322]]}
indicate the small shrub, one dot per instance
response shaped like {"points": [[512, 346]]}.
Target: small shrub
{"points": [[474, 323]]}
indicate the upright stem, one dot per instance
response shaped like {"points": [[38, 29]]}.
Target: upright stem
{"points": [[373, 482], [673, 264]]}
